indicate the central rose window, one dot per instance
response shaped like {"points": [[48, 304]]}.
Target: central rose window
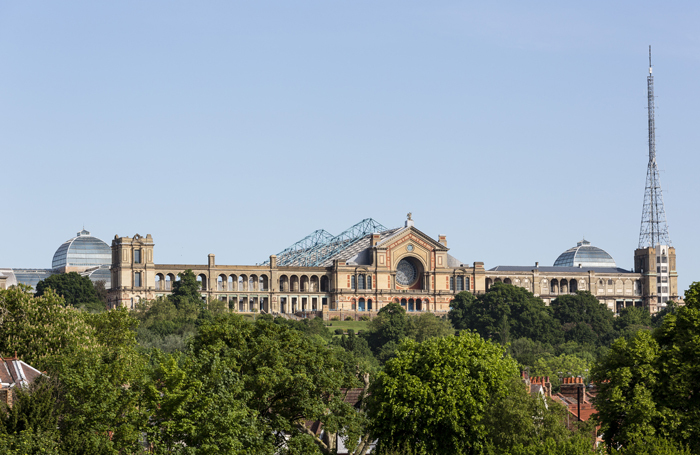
{"points": [[406, 272]]}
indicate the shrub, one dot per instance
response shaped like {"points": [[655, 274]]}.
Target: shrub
{"points": [[348, 318], [335, 318], [364, 317], [338, 331], [351, 332]]}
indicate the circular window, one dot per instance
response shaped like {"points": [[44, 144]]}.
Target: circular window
{"points": [[409, 248], [406, 273]]}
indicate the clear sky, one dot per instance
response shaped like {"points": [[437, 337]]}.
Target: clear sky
{"points": [[237, 128]]}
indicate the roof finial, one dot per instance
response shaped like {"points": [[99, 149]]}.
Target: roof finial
{"points": [[409, 216]]}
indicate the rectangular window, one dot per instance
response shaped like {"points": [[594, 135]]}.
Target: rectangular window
{"points": [[352, 282], [460, 284], [466, 284], [369, 281], [452, 283], [663, 259], [137, 256], [137, 279]]}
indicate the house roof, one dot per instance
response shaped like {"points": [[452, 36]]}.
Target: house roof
{"points": [[15, 372]]}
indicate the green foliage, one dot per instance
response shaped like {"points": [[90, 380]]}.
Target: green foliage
{"points": [[389, 326], [187, 292], [631, 320], [564, 365], [584, 319], [427, 325], [519, 423], [653, 445], [165, 325], [527, 351], [433, 396], [286, 377], [38, 328], [311, 327], [648, 383], [196, 407], [504, 314], [77, 290]]}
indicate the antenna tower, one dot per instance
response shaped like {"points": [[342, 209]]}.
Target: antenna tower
{"points": [[654, 230]]}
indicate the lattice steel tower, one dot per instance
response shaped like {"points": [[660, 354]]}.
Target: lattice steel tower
{"points": [[654, 230]]}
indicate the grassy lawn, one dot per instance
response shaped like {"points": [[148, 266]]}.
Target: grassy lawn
{"points": [[345, 325]]}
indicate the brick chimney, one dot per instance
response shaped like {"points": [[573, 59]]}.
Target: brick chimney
{"points": [[375, 239], [574, 388], [442, 239]]}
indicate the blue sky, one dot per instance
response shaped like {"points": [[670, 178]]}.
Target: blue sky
{"points": [[237, 128]]}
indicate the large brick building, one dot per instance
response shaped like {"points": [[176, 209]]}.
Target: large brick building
{"points": [[368, 266]]}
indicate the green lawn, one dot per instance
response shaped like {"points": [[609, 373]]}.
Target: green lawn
{"points": [[345, 325]]}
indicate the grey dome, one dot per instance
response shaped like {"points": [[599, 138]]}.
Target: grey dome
{"points": [[82, 251], [584, 255]]}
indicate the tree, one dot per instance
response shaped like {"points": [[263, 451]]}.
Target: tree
{"points": [[427, 325], [505, 313], [631, 320], [584, 319], [187, 292], [387, 330], [648, 384], [285, 378], [77, 291], [196, 405], [560, 366], [39, 328], [521, 424], [433, 395]]}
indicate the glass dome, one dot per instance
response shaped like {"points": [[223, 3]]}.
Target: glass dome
{"points": [[82, 251], [584, 255]]}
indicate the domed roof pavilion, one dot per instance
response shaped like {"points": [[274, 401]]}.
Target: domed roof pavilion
{"points": [[81, 253], [584, 255]]}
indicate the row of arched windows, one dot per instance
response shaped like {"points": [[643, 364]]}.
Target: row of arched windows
{"points": [[304, 283], [361, 281]]}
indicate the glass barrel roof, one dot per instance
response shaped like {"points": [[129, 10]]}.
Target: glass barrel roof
{"points": [[584, 255], [82, 251]]}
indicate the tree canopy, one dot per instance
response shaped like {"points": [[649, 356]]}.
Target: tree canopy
{"points": [[432, 396], [77, 290], [648, 383]]}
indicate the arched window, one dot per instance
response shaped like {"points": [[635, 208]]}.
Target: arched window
{"points": [[369, 282], [411, 305], [507, 281], [251, 283], [169, 278], [159, 282], [220, 283], [240, 284], [369, 304], [324, 284], [361, 305], [202, 278], [284, 283], [554, 287], [304, 283], [353, 304], [231, 280], [360, 282], [263, 283], [352, 282]]}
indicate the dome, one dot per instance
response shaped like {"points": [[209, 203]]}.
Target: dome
{"points": [[83, 251], [584, 255]]}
